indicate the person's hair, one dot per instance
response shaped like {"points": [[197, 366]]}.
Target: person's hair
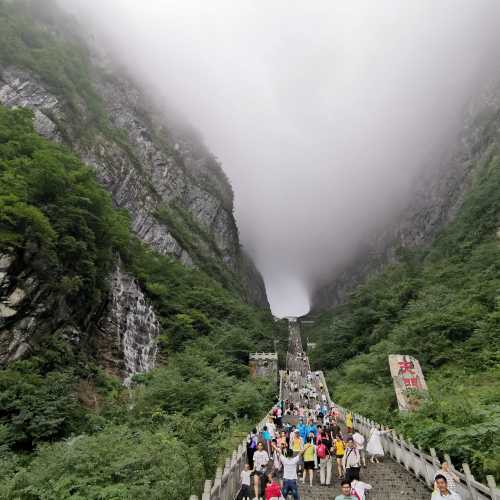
{"points": [[275, 477], [440, 476], [254, 430], [264, 428], [344, 482], [260, 443], [289, 453]]}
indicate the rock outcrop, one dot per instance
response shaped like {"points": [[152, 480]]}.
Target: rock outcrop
{"points": [[28, 309], [129, 329], [146, 165], [437, 198], [178, 198]]}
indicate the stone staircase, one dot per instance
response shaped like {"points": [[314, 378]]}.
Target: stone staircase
{"points": [[389, 480]]}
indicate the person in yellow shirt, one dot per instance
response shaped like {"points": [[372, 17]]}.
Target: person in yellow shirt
{"points": [[339, 446], [309, 455], [296, 443], [348, 422]]}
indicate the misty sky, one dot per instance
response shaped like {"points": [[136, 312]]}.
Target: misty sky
{"points": [[322, 112]]}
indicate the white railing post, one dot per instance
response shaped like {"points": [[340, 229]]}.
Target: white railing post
{"points": [[216, 488], [493, 488], [435, 461], [404, 451], [423, 467], [469, 478], [206, 490], [397, 447]]}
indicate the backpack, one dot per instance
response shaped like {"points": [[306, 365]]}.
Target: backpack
{"points": [[355, 493], [253, 443], [321, 451]]}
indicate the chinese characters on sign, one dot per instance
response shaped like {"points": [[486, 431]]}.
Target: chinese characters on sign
{"points": [[409, 382]]}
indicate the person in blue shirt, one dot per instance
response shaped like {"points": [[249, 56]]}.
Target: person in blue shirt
{"points": [[311, 427], [302, 429]]}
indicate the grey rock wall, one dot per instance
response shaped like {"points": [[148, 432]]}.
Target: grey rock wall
{"points": [[128, 331], [28, 309], [144, 164]]}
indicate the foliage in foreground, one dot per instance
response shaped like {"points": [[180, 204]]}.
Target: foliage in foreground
{"points": [[52, 209], [441, 305]]}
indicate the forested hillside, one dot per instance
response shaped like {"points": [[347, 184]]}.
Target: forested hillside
{"points": [[59, 225], [119, 253], [441, 304]]}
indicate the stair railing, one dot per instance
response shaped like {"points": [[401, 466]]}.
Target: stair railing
{"points": [[423, 465]]}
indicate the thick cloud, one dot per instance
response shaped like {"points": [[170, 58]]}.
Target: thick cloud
{"points": [[321, 112]]}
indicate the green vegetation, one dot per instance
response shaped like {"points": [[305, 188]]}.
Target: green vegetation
{"points": [[68, 429], [441, 305], [38, 36]]}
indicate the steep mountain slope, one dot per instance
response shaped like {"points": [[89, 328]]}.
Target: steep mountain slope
{"points": [[178, 196], [438, 195], [439, 303]]}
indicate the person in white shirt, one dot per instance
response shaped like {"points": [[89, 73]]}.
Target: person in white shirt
{"points": [[260, 461], [290, 471], [245, 483], [351, 461], [359, 487], [442, 490], [451, 478], [359, 441]]}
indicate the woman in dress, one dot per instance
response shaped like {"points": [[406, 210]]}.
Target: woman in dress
{"points": [[374, 447]]}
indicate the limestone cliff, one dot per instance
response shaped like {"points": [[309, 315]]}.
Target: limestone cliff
{"points": [[438, 195], [175, 191], [179, 200]]}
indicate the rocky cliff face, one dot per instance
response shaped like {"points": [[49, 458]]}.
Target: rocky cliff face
{"points": [[148, 169], [179, 200], [436, 200], [123, 341], [28, 310], [128, 330]]}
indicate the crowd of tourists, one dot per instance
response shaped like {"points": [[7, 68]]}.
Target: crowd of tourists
{"points": [[316, 450], [303, 441]]}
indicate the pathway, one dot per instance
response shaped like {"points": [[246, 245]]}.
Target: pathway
{"points": [[389, 479]]}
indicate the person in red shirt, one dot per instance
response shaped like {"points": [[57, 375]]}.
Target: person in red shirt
{"points": [[273, 489]]}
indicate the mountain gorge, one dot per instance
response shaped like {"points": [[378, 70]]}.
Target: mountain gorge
{"points": [[128, 306]]}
